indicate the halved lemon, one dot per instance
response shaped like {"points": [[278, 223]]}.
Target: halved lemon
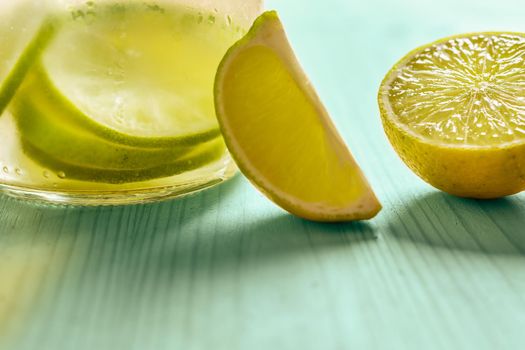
{"points": [[280, 134], [454, 110]]}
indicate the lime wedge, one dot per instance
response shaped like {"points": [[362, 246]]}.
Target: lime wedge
{"points": [[280, 134]]}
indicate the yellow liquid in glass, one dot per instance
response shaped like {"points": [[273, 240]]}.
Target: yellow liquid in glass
{"points": [[144, 71]]}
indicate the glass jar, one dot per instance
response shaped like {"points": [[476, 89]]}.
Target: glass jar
{"points": [[111, 102]]}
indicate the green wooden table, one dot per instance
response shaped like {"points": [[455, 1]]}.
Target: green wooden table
{"points": [[225, 269]]}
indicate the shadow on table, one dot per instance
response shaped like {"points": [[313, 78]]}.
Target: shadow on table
{"points": [[485, 226], [280, 237], [90, 263], [184, 234]]}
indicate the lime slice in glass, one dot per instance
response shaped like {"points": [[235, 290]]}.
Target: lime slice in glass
{"points": [[49, 127], [198, 157], [29, 56], [138, 76]]}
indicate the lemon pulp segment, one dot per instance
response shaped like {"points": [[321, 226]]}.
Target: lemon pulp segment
{"points": [[465, 91]]}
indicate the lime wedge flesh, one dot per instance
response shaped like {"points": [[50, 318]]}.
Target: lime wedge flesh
{"points": [[48, 127]]}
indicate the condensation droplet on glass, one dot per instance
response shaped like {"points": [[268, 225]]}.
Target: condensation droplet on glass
{"points": [[46, 174], [5, 169], [229, 20], [61, 174], [18, 171]]}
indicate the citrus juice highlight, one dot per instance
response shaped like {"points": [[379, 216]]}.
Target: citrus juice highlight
{"points": [[111, 100]]}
